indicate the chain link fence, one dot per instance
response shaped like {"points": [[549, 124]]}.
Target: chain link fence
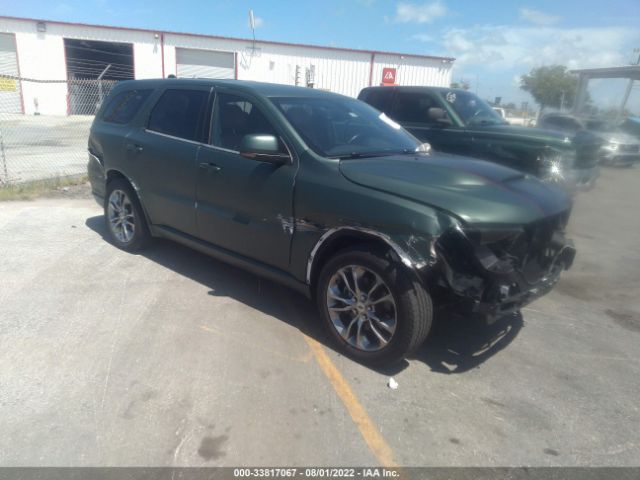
{"points": [[44, 126]]}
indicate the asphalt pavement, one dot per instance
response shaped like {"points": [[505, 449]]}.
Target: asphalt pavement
{"points": [[169, 357]]}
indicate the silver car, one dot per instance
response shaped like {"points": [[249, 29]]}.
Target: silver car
{"points": [[618, 148]]}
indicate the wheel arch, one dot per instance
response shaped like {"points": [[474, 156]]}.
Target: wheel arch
{"points": [[113, 174], [339, 238]]}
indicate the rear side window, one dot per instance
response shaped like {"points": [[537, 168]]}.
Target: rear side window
{"points": [[413, 107], [179, 113], [124, 106], [377, 98]]}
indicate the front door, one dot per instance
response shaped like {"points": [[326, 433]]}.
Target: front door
{"points": [[244, 205]]}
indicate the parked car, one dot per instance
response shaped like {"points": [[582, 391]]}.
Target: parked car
{"points": [[457, 121], [618, 147], [631, 126], [326, 195], [500, 111]]}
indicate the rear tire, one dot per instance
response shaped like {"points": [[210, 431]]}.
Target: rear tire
{"points": [[376, 311], [126, 223]]}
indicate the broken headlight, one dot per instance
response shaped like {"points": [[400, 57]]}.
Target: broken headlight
{"points": [[487, 247]]}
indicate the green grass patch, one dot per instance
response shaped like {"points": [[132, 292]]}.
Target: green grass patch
{"points": [[38, 188]]}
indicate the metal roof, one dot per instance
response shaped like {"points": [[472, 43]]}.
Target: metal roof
{"points": [[624, 71]]}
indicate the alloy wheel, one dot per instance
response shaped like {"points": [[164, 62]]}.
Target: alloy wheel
{"points": [[361, 308], [121, 217]]}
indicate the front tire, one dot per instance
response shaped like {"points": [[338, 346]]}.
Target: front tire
{"points": [[374, 309], [124, 217]]}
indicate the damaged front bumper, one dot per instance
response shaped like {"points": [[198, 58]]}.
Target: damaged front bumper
{"points": [[494, 283]]}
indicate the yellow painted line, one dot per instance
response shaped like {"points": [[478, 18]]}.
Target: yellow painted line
{"points": [[359, 415]]}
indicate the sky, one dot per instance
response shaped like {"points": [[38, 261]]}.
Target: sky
{"points": [[494, 42]]}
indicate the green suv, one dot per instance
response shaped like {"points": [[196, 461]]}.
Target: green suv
{"points": [[457, 121], [328, 196]]}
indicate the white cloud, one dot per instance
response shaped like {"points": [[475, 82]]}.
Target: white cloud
{"points": [[423, 37], [420, 13], [538, 17], [506, 47]]}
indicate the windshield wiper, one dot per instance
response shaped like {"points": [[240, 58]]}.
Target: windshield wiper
{"points": [[405, 151]]}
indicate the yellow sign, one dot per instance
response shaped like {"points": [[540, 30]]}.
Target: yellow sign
{"points": [[7, 85]]}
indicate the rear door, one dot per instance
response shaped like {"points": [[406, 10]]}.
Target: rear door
{"points": [[244, 205], [163, 153]]}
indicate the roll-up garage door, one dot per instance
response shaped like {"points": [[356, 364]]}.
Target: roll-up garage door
{"points": [[204, 63], [9, 86]]}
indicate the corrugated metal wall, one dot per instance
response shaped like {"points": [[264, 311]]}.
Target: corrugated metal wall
{"points": [[340, 71], [41, 56], [413, 70], [10, 101]]}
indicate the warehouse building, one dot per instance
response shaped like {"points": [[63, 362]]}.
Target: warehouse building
{"points": [[59, 68]]}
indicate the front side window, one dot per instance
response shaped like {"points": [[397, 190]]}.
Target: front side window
{"points": [[341, 127], [569, 123], [472, 110], [234, 118], [551, 121], [124, 106], [413, 107], [179, 113]]}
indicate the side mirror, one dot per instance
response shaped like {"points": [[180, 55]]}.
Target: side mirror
{"points": [[264, 148], [439, 115]]}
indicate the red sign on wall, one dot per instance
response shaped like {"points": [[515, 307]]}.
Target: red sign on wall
{"points": [[388, 76]]}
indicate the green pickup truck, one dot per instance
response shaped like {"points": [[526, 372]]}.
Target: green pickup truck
{"points": [[458, 121]]}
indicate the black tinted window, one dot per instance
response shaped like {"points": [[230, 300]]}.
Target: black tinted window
{"points": [[377, 98], [236, 117], [179, 113], [570, 124], [551, 121], [564, 123], [124, 106], [412, 107]]}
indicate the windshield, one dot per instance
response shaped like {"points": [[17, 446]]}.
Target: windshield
{"points": [[340, 127], [471, 109]]}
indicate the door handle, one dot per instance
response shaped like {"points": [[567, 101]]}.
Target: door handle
{"points": [[134, 147], [210, 166]]}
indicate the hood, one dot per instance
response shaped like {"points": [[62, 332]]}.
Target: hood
{"points": [[478, 192], [538, 134]]}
